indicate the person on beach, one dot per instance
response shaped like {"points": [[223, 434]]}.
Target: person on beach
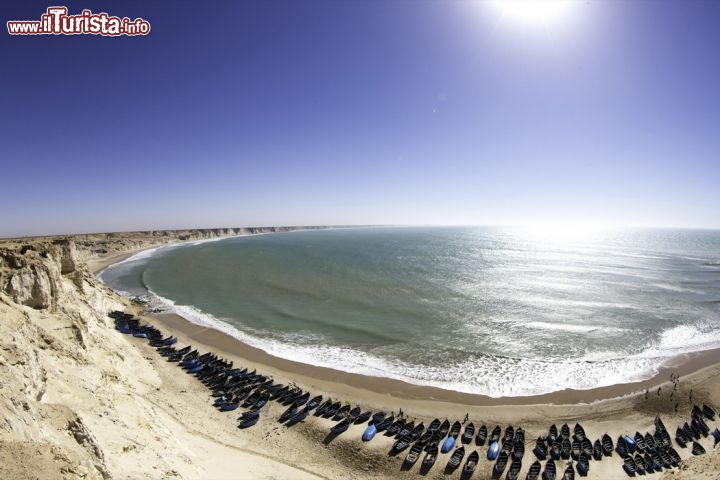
{"points": [[659, 391], [646, 393], [676, 406], [467, 417]]}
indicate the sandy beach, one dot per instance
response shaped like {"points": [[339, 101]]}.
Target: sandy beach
{"points": [[99, 404]]}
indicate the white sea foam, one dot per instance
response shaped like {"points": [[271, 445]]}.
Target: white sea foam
{"points": [[487, 375]]}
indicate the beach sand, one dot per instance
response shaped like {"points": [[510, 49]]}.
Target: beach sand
{"points": [[81, 400]]}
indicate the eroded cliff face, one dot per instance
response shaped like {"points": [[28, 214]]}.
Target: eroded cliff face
{"points": [[64, 372], [75, 397]]}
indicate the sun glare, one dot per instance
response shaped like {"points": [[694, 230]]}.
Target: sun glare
{"points": [[534, 12]]}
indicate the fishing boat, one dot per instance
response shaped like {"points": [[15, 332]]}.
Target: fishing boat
{"points": [[579, 432], [481, 436], [444, 428], [340, 427], [552, 433], [495, 434], [401, 444], [549, 472], [493, 451], [471, 463], [514, 471], [413, 455], [369, 433], [534, 471], [385, 423], [468, 433], [455, 459], [629, 466], [455, 429], [448, 444], [569, 473], [697, 449], [430, 457]]}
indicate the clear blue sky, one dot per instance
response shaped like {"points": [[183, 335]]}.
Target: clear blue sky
{"points": [[234, 113]]}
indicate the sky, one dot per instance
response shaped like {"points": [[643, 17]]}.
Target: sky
{"points": [[347, 112]]}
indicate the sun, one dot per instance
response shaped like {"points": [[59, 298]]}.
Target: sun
{"points": [[534, 12]]}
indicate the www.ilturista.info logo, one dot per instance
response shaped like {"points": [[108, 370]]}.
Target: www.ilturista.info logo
{"points": [[57, 22]]}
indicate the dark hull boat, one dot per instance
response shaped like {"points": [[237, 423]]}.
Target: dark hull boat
{"points": [[534, 471], [540, 449], [468, 433], [444, 428], [697, 449], [514, 471], [413, 455], [565, 448], [680, 438], [583, 465], [607, 445], [405, 430], [417, 431], [298, 417], [395, 427], [640, 441], [247, 423], [509, 434], [552, 433], [471, 463], [579, 432], [340, 427], [587, 447], [430, 457], [569, 473], [639, 464], [401, 444], [575, 449], [549, 473], [363, 417], [455, 459], [287, 414], [313, 404], [322, 408], [455, 429], [629, 466], [481, 436], [382, 426], [495, 435], [434, 425], [709, 413], [565, 431], [597, 450], [500, 464]]}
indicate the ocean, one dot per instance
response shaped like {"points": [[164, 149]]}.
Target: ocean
{"points": [[498, 311]]}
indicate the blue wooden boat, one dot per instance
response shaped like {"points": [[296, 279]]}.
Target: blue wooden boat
{"points": [[369, 433], [447, 445], [493, 451], [630, 442]]}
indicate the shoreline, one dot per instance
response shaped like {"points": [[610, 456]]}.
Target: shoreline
{"points": [[683, 365], [229, 346]]}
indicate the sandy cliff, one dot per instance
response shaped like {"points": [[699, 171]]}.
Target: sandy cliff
{"points": [[77, 400]]}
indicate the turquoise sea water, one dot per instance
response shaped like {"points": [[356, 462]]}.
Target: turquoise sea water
{"points": [[497, 311]]}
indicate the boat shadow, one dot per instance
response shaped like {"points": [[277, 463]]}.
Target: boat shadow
{"points": [[329, 438], [425, 469]]}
